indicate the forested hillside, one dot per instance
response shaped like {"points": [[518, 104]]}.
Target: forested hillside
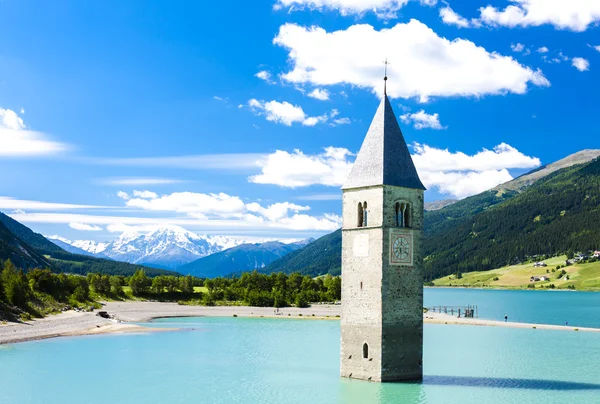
{"points": [[558, 213], [320, 257]]}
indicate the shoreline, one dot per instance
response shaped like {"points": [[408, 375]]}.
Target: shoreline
{"points": [[79, 324]]}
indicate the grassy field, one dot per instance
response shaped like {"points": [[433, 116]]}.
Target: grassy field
{"points": [[581, 276]]}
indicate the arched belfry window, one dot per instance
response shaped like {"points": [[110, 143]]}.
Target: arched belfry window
{"points": [[360, 215], [365, 215], [365, 350], [402, 214]]}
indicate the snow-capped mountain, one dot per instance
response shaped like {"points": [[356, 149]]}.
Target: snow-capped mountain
{"points": [[165, 246]]}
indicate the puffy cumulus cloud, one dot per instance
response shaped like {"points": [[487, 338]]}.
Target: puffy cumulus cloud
{"points": [[385, 9], [16, 140], [450, 17], [84, 227], [543, 49], [145, 194], [319, 94], [461, 175], [580, 64], [423, 64], [502, 156], [423, 120], [296, 169], [463, 184], [574, 15], [276, 211], [284, 113], [265, 75], [123, 195]]}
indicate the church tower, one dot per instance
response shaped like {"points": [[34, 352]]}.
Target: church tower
{"points": [[382, 259]]}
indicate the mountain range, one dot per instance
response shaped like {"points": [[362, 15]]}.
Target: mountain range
{"points": [[173, 247], [28, 249], [546, 211]]}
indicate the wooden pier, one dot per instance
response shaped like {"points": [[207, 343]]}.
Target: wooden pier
{"points": [[469, 311]]}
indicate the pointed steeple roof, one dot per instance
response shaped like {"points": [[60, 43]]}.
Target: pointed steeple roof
{"points": [[384, 158]]}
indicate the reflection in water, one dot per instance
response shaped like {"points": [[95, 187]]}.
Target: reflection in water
{"points": [[359, 391], [533, 384]]}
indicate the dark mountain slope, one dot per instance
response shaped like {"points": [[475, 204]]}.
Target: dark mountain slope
{"points": [[21, 254], [242, 258], [319, 257]]}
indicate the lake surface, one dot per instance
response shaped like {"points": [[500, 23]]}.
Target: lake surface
{"points": [[233, 360], [525, 306]]}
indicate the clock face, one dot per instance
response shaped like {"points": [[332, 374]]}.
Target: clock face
{"points": [[401, 247]]}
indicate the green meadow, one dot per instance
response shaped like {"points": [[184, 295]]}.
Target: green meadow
{"points": [[580, 276]]}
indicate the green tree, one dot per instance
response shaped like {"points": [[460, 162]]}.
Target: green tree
{"points": [[140, 283], [16, 287]]}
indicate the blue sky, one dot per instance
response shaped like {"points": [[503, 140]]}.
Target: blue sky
{"points": [[244, 120]]}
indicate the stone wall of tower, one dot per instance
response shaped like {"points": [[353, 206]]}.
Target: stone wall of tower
{"points": [[381, 303], [402, 293], [361, 285]]}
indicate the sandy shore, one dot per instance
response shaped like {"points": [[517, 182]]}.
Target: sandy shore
{"points": [[72, 323]]}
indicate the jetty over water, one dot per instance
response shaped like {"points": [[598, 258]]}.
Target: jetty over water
{"points": [[469, 311]]}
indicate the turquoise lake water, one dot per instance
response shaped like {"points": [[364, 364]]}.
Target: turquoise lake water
{"points": [[237, 360]]}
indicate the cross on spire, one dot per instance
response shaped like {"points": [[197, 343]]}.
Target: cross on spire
{"points": [[386, 63]]}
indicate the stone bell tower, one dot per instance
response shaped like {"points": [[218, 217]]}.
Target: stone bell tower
{"points": [[382, 259]]}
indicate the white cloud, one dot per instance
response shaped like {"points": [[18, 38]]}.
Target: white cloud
{"points": [[517, 47], [597, 48], [455, 173], [319, 94], [190, 203], [231, 161], [123, 195], [276, 211], [424, 64], [18, 141], [461, 175], [543, 49], [265, 75], [463, 184], [138, 181], [84, 227], [145, 194], [450, 17], [423, 120], [574, 15], [385, 9], [12, 203], [500, 157], [204, 211], [296, 169], [581, 64], [342, 121], [284, 113]]}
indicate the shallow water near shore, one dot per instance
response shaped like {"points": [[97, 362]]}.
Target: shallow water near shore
{"points": [[255, 360], [579, 309]]}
